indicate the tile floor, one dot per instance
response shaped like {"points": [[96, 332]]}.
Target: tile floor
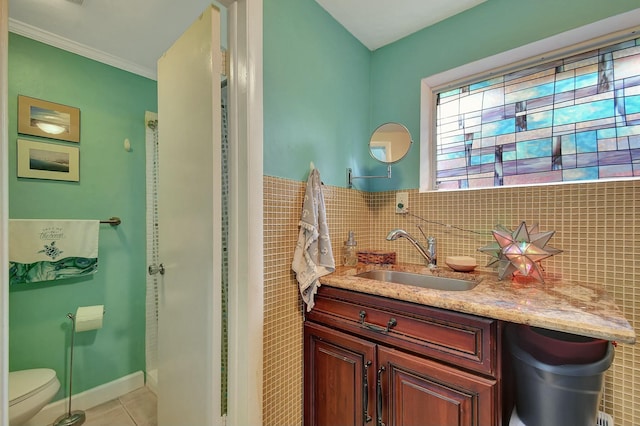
{"points": [[137, 408]]}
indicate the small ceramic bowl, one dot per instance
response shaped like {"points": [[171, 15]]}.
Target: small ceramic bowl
{"points": [[461, 263]]}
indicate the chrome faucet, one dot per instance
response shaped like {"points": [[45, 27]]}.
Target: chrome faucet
{"points": [[428, 253]]}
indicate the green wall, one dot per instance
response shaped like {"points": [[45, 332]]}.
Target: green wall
{"points": [[112, 183], [490, 28], [316, 93], [324, 92]]}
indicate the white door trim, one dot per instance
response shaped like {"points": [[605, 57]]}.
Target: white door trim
{"points": [[4, 216], [246, 272]]}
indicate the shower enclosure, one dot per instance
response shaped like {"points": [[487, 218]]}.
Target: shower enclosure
{"points": [[151, 334]]}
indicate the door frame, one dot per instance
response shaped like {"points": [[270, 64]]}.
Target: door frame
{"points": [[246, 270], [4, 216], [246, 305]]}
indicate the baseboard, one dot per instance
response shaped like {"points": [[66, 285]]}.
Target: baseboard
{"points": [[89, 398], [152, 381]]}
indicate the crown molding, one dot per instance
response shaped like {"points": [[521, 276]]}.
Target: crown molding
{"points": [[54, 40]]}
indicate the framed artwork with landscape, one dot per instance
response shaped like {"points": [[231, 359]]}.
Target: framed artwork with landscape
{"points": [[38, 160], [47, 119]]}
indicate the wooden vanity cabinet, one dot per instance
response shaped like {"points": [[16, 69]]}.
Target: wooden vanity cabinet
{"points": [[370, 360], [339, 384]]}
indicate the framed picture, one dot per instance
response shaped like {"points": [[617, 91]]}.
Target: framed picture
{"points": [[38, 160], [41, 118]]}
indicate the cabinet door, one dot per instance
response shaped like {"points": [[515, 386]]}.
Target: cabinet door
{"points": [[339, 371], [422, 392]]}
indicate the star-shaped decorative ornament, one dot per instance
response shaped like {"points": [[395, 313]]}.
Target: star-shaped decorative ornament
{"points": [[519, 252]]}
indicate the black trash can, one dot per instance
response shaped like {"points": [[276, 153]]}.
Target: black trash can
{"points": [[556, 395]]}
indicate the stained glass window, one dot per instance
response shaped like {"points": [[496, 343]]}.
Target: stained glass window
{"points": [[572, 119]]}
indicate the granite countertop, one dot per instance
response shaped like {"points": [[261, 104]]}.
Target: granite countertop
{"points": [[556, 304]]}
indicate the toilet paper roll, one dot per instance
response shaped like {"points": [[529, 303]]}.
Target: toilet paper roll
{"points": [[89, 317]]}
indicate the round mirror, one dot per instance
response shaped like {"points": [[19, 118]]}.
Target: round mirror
{"points": [[390, 142]]}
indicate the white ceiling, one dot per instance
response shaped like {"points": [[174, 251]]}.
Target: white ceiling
{"points": [[129, 34], [377, 23], [133, 34]]}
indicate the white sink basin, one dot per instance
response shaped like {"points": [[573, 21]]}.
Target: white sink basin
{"points": [[419, 280]]}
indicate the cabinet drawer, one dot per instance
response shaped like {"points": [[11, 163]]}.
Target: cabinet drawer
{"points": [[459, 339]]}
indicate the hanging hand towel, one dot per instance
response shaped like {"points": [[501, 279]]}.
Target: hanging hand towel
{"points": [[44, 250], [313, 257]]}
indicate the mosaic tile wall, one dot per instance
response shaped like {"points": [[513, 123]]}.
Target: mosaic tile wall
{"points": [[283, 312], [596, 224]]}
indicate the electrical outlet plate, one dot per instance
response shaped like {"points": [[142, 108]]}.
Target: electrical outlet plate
{"points": [[402, 202]]}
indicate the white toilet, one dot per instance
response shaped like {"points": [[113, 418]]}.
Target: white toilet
{"points": [[29, 392], [515, 420]]}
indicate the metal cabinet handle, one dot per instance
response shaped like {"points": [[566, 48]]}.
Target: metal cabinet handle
{"points": [[379, 396], [154, 269], [365, 396], [390, 324]]}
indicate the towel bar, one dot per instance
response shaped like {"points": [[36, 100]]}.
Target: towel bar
{"points": [[113, 221]]}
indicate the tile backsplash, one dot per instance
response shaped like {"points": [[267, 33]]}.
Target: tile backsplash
{"points": [[596, 226]]}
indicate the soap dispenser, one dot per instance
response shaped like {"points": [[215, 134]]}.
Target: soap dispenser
{"points": [[350, 253]]}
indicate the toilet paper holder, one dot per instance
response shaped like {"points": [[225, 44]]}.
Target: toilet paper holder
{"points": [[77, 417]]}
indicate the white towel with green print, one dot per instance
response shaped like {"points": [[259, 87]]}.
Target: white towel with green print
{"points": [[313, 257], [45, 250]]}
